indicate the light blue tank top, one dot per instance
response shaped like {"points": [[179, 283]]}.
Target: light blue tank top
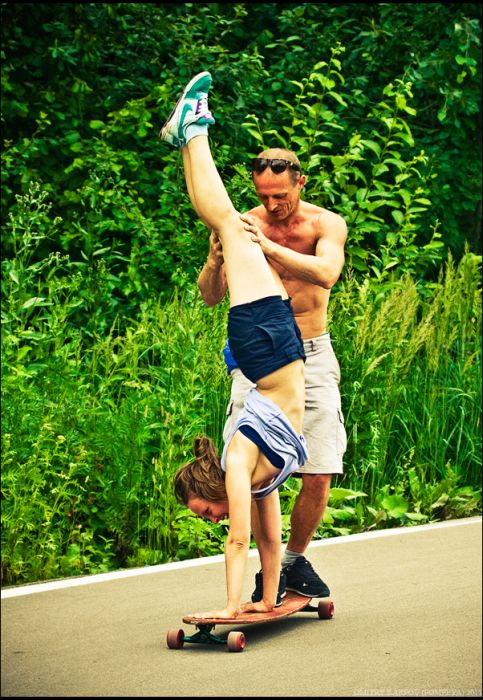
{"points": [[271, 423]]}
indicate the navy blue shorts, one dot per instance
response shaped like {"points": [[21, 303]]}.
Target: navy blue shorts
{"points": [[264, 336]]}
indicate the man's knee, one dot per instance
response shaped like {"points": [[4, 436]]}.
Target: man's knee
{"points": [[316, 481], [316, 485]]}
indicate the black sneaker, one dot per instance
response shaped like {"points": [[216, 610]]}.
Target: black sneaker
{"points": [[257, 594], [302, 579]]}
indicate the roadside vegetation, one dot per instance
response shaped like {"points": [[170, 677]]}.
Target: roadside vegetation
{"points": [[111, 364]]}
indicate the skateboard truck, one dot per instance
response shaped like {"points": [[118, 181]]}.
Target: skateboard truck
{"points": [[235, 641]]}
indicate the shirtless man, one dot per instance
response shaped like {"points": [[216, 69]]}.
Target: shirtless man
{"points": [[305, 244]]}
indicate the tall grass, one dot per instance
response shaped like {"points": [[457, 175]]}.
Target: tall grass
{"points": [[414, 367], [89, 451], [411, 368], [94, 425]]}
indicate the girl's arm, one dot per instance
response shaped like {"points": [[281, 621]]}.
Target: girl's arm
{"points": [[238, 487], [241, 459]]}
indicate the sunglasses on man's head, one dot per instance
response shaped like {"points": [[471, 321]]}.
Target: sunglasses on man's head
{"points": [[277, 165]]}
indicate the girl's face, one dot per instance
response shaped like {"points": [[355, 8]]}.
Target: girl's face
{"points": [[208, 509]]}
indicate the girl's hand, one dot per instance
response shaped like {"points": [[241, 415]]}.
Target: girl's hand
{"points": [[224, 614]]}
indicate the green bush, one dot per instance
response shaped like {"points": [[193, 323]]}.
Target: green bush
{"points": [[111, 364]]}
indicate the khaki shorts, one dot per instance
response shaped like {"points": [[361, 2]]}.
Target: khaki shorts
{"points": [[323, 426]]}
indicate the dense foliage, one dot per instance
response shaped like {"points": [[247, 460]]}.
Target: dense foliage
{"points": [[382, 102], [110, 363]]}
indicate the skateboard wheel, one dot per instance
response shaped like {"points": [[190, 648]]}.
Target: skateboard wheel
{"points": [[236, 641], [175, 639], [325, 609]]}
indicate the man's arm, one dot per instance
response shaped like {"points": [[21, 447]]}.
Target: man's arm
{"points": [[323, 268], [212, 278]]}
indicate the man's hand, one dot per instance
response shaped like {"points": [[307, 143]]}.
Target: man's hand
{"points": [[215, 254], [212, 278], [256, 233]]}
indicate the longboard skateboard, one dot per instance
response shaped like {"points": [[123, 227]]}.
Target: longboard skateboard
{"points": [[235, 641]]}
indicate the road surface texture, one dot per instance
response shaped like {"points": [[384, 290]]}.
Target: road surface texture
{"points": [[407, 623]]}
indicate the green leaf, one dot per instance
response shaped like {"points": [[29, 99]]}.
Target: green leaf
{"points": [[35, 301], [338, 98], [398, 216], [395, 506], [338, 494], [379, 169], [341, 513], [442, 500], [417, 517], [100, 251], [256, 135], [372, 145]]}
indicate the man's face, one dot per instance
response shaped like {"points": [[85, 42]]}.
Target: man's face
{"points": [[278, 193]]}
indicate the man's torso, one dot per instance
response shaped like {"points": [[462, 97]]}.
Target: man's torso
{"points": [[309, 301]]}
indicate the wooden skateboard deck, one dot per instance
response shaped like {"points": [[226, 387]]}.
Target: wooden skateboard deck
{"points": [[292, 603]]}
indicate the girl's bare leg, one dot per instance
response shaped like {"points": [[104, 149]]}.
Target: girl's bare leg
{"points": [[266, 521], [189, 185], [249, 275], [205, 186]]}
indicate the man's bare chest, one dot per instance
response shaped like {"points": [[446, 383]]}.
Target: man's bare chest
{"points": [[299, 238]]}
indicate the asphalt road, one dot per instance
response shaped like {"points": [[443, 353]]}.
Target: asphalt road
{"points": [[407, 623]]}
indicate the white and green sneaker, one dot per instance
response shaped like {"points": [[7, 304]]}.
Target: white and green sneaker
{"points": [[191, 108]]}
